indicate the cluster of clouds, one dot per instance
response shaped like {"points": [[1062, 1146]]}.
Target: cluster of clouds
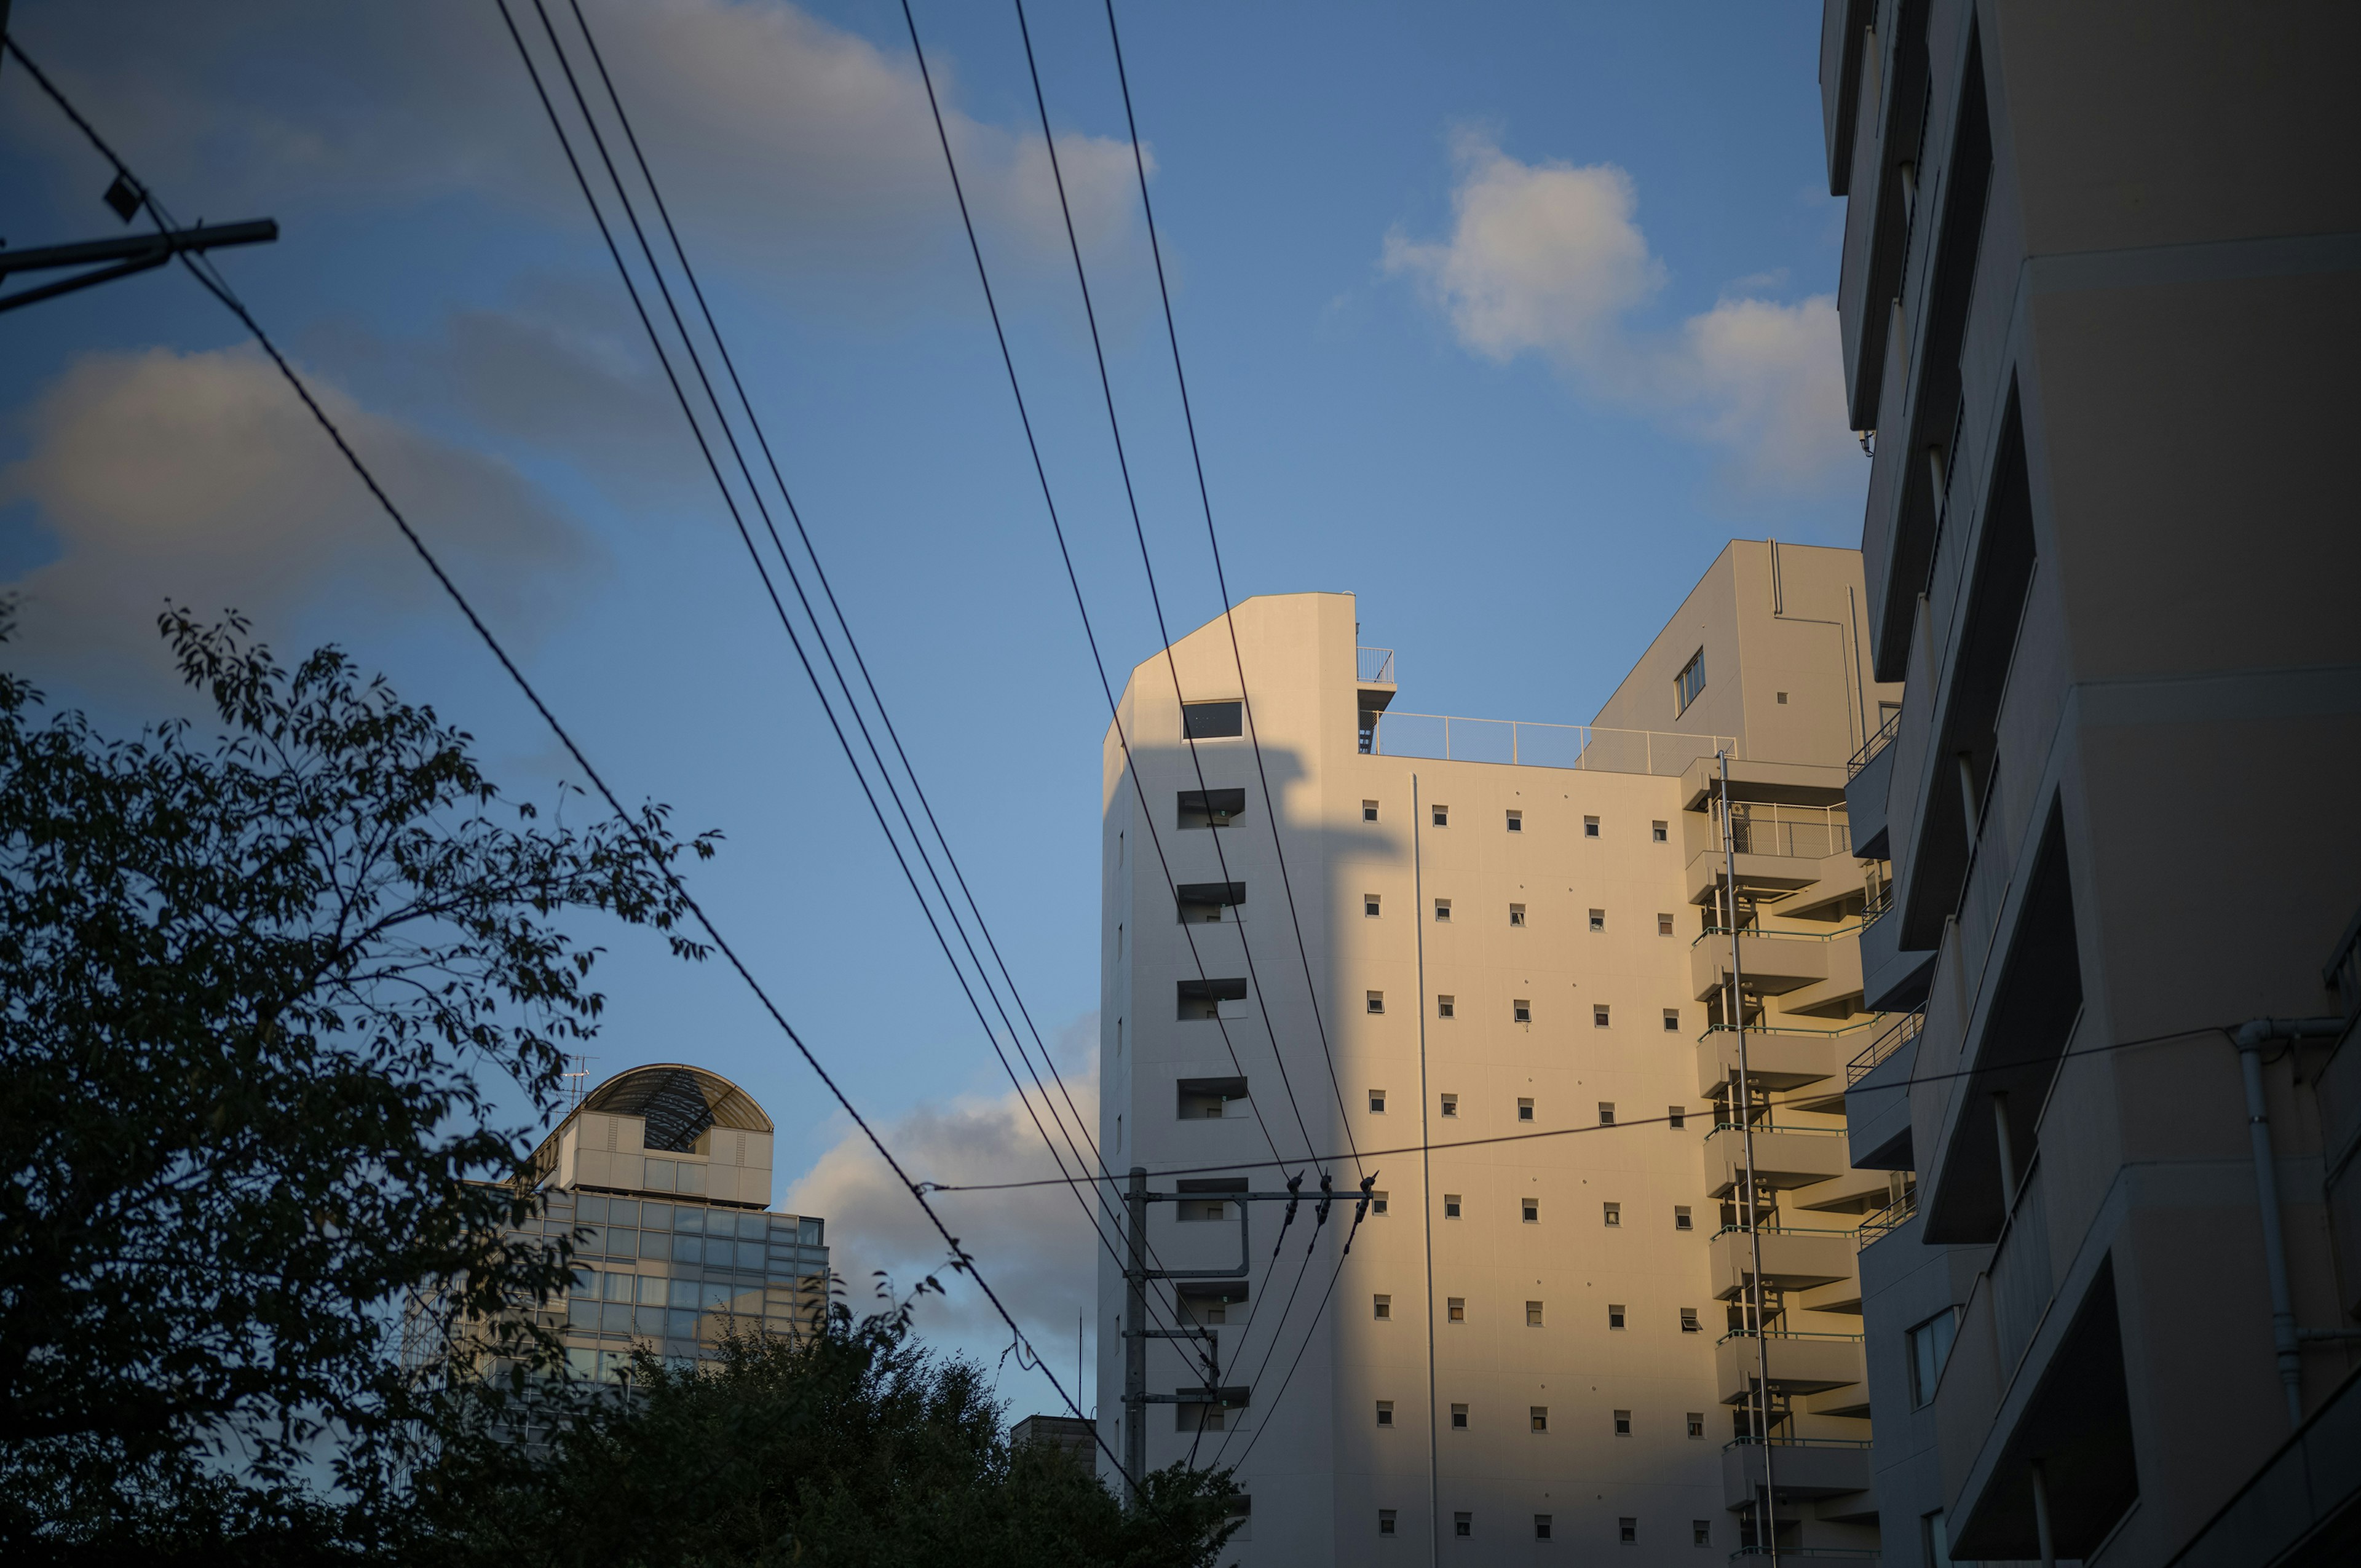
{"points": [[1034, 1245], [1548, 259], [788, 147]]}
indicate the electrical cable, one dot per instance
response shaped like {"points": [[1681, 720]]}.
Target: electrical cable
{"points": [[827, 588], [1221, 579], [1623, 1124], [771, 589], [209, 278], [1123, 464], [1074, 581]]}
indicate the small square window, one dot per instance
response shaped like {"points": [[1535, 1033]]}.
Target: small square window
{"points": [[1697, 1429], [1516, 914], [1516, 822], [1462, 1524], [1455, 1308], [1783, 699], [1533, 1211], [1521, 1010], [1680, 1220], [1442, 909], [1614, 1315], [1368, 811], [1657, 831], [1385, 1521], [1598, 1015], [1446, 1007], [1459, 1424], [1672, 1020], [1590, 828], [1451, 1106], [1614, 1216], [1539, 1416], [1376, 1001], [1664, 925], [1541, 1527], [1623, 1423], [1701, 1531], [1607, 1113], [1451, 1205], [1378, 1100], [1676, 1117], [1385, 1412], [1377, 1202], [1532, 1314], [1385, 1308], [1524, 1109], [1369, 904], [1689, 1324], [1627, 1531], [1599, 920], [1443, 817]]}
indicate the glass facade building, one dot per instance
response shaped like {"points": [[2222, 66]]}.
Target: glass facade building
{"points": [[662, 1177]]}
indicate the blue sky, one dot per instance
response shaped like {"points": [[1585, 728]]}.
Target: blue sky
{"points": [[1503, 316]]}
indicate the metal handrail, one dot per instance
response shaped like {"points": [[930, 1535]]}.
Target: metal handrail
{"points": [[1884, 1221], [1787, 1231], [1784, 1030], [1788, 1333], [2341, 974], [1775, 1128], [1750, 1440], [1589, 743], [1905, 1030], [1873, 745], [1790, 935], [1378, 671]]}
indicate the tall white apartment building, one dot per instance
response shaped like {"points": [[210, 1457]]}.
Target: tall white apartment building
{"points": [[1530, 1349]]}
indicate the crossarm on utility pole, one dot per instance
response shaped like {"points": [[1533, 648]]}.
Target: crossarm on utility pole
{"points": [[132, 252]]}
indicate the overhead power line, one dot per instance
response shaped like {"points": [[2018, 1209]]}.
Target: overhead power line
{"points": [[1625, 1124], [1096, 1217], [961, 1260]]}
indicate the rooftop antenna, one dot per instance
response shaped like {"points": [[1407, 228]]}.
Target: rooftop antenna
{"points": [[578, 1082]]}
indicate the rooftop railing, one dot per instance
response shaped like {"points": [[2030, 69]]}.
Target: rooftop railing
{"points": [[1520, 742], [1375, 665]]}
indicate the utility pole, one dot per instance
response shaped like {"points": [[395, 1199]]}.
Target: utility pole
{"points": [[1134, 1343], [133, 253], [1135, 1332], [1768, 1515]]}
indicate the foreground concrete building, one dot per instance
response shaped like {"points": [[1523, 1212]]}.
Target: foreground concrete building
{"points": [[2100, 309], [1536, 1345]]}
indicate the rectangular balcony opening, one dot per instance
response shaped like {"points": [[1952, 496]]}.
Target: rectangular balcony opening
{"points": [[1205, 999], [1212, 807], [1208, 1099], [1210, 902]]}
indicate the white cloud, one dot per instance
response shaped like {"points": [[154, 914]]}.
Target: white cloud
{"points": [[198, 477], [783, 142], [1034, 1245], [1549, 260]]}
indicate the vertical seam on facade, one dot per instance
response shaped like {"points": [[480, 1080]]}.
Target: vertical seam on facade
{"points": [[1426, 1180]]}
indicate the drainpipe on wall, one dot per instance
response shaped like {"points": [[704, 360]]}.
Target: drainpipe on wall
{"points": [[1768, 1514], [2286, 1341]]}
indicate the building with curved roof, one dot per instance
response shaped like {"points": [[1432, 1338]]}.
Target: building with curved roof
{"points": [[661, 1175]]}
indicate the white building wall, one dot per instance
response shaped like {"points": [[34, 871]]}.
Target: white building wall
{"points": [[1322, 1471]]}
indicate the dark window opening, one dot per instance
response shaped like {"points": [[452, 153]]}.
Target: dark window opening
{"points": [[1212, 721], [1212, 807], [1203, 998], [1203, 902], [1207, 1099]]}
